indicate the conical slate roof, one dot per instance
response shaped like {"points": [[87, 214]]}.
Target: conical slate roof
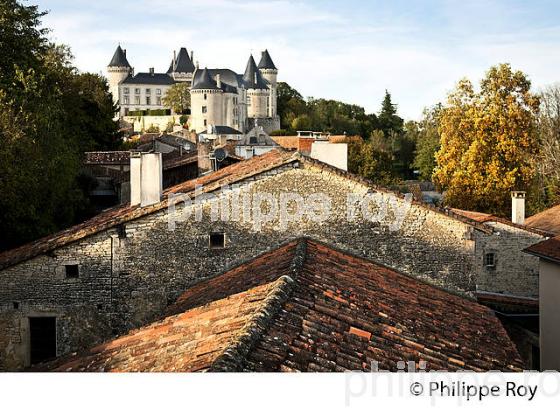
{"points": [[119, 59], [266, 62], [203, 81], [183, 63], [252, 77]]}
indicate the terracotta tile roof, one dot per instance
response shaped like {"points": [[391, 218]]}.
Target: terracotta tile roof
{"points": [[547, 220], [309, 307], [186, 342], [483, 218], [549, 249]]}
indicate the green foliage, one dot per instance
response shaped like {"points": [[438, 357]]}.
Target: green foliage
{"points": [[49, 114], [142, 113], [178, 98], [427, 141], [370, 160], [152, 129], [183, 119]]}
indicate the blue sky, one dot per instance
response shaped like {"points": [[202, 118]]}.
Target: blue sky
{"points": [[350, 51]]}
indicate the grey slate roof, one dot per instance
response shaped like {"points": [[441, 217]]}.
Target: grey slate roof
{"points": [[257, 136], [203, 81], [266, 62], [252, 77], [119, 58], [183, 63], [148, 78]]}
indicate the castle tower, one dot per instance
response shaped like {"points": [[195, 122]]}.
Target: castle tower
{"points": [[117, 71], [258, 92], [270, 73], [207, 101], [182, 67]]}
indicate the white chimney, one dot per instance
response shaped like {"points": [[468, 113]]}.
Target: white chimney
{"points": [[135, 169], [146, 178], [218, 81], [518, 207]]}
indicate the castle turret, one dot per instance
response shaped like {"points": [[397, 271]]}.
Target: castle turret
{"points": [[207, 104], [117, 71], [270, 73], [182, 67], [258, 92]]}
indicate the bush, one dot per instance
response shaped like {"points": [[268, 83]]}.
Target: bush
{"points": [[183, 119], [278, 133]]}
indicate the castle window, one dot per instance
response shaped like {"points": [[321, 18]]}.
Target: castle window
{"points": [[126, 100], [217, 240], [126, 90], [137, 100], [158, 100], [158, 91], [148, 91], [204, 109], [137, 91], [148, 100], [205, 123], [42, 338], [72, 271], [205, 96], [490, 260]]}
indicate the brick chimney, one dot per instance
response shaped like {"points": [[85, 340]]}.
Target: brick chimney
{"points": [[146, 178], [518, 207]]}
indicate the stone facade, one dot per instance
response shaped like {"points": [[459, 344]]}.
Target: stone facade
{"points": [[129, 274]]}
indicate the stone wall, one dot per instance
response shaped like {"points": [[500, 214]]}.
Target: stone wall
{"points": [[128, 275]]}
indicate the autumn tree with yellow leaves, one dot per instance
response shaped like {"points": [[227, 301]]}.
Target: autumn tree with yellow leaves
{"points": [[488, 141]]}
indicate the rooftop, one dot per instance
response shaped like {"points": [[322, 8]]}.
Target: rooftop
{"points": [[547, 220], [258, 164], [306, 306], [549, 249]]}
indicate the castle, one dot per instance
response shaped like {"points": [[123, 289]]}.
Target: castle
{"points": [[219, 97]]}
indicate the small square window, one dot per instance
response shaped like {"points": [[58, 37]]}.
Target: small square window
{"points": [[490, 260], [72, 271], [158, 91], [137, 91], [148, 91], [217, 240], [126, 90]]}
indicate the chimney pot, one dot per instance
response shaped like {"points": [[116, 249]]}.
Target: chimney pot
{"points": [[192, 55], [518, 207]]}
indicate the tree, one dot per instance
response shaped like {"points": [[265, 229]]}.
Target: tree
{"points": [[548, 162], [367, 159], [46, 122], [389, 121], [487, 141], [178, 98], [427, 141]]}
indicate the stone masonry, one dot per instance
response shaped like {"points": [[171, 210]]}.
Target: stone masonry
{"points": [[128, 274]]}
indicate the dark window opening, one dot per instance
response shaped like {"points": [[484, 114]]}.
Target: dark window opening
{"points": [[252, 140], [100, 307], [42, 333], [490, 260], [16, 305], [72, 271], [217, 240], [535, 358], [121, 231]]}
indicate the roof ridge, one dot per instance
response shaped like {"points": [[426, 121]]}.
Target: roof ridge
{"points": [[233, 356], [365, 181]]}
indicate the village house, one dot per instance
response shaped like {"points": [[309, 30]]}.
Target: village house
{"points": [[123, 268], [295, 309]]}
